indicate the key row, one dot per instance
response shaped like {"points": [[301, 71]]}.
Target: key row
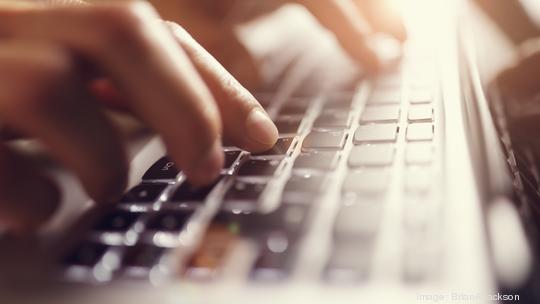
{"points": [[366, 134], [164, 169], [387, 96], [374, 114], [275, 233]]}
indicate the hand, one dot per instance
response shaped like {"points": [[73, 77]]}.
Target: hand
{"points": [[49, 57], [212, 23]]}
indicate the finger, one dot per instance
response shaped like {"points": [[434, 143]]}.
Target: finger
{"points": [[342, 18], [212, 23], [41, 95], [245, 122], [229, 51], [148, 67], [383, 17], [22, 210], [106, 92]]}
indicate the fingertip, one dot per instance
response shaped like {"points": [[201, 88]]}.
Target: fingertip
{"points": [[261, 130], [107, 185], [208, 168]]}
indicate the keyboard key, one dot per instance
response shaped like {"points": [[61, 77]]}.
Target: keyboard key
{"points": [[319, 160], [420, 132], [376, 133], [274, 261], [385, 97], [117, 221], [170, 221], [86, 254], [143, 256], [358, 221], [230, 158], [188, 193], [144, 193], [339, 101], [420, 113], [333, 119], [163, 169], [280, 148], [420, 216], [420, 96], [288, 125], [421, 260], [255, 167], [418, 179], [373, 155], [245, 191], [209, 257], [380, 114], [332, 140], [294, 107], [288, 218], [367, 181], [304, 183], [419, 153]]}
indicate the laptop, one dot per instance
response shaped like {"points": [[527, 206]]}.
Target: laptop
{"points": [[398, 188]]}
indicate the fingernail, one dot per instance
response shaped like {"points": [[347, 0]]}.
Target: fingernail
{"points": [[260, 128], [210, 166]]}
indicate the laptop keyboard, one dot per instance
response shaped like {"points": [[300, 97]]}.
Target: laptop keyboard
{"points": [[354, 144]]}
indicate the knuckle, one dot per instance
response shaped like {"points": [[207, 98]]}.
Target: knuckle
{"points": [[122, 25]]}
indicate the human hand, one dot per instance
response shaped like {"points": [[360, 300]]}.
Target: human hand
{"points": [[52, 57], [212, 23]]}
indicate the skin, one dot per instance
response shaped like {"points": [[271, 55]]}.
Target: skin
{"points": [[520, 82], [64, 63]]}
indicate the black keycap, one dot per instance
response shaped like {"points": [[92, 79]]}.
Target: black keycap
{"points": [[245, 191], [333, 119], [230, 158], [188, 193], [280, 148], [117, 221], [85, 254], [255, 167], [144, 256], [288, 125], [294, 108], [319, 160], [164, 168], [144, 193], [169, 221], [288, 218]]}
